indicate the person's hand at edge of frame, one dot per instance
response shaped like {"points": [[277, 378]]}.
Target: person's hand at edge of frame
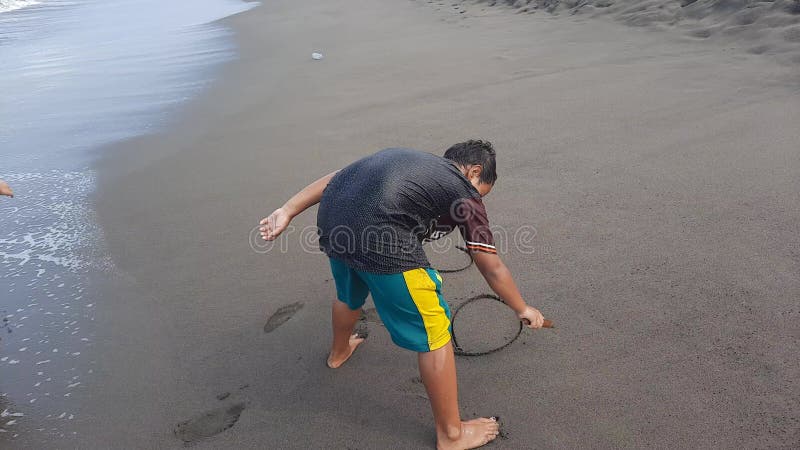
{"points": [[274, 224], [5, 189]]}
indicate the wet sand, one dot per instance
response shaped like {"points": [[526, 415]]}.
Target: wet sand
{"points": [[660, 176]]}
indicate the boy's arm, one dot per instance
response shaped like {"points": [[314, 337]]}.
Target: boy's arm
{"points": [[502, 283], [273, 225], [474, 224]]}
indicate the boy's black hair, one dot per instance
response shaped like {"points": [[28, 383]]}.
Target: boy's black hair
{"points": [[475, 152]]}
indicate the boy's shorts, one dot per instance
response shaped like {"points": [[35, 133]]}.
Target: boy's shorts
{"points": [[410, 304]]}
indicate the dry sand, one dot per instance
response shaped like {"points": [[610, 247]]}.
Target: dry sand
{"points": [[661, 176]]}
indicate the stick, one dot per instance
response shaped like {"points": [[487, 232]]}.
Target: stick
{"points": [[547, 323]]}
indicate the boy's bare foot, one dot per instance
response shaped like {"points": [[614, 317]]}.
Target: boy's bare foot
{"points": [[336, 360], [474, 433]]}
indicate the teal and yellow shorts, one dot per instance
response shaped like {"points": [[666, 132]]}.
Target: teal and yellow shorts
{"points": [[410, 304]]}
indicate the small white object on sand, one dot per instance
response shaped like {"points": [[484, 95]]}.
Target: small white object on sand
{"points": [[316, 56]]}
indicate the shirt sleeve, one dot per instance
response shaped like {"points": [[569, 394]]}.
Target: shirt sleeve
{"points": [[471, 219]]}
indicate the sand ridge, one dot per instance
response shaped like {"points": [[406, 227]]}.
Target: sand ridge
{"points": [[757, 27]]}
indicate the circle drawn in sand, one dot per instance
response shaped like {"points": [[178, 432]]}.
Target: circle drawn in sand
{"points": [[281, 316], [482, 312], [209, 423], [449, 264]]}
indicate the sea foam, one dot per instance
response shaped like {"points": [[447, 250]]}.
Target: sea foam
{"points": [[11, 5]]}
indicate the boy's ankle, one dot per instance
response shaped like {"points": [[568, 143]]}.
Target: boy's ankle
{"points": [[451, 433]]}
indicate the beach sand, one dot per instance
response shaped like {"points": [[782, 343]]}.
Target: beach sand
{"points": [[659, 174], [769, 27]]}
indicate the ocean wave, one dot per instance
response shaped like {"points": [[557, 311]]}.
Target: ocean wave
{"points": [[50, 225], [11, 5]]}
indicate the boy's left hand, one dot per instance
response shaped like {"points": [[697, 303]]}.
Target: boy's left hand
{"points": [[273, 225], [532, 317]]}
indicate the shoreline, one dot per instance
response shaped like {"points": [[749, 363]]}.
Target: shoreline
{"points": [[51, 249], [603, 152]]}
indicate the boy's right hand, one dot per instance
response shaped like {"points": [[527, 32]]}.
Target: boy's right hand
{"points": [[273, 225], [532, 317]]}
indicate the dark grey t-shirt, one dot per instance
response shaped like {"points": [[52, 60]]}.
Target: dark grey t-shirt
{"points": [[376, 212]]}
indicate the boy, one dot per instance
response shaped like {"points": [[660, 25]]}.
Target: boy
{"points": [[373, 217]]}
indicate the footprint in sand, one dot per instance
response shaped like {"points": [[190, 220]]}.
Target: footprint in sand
{"points": [[362, 329], [280, 317], [209, 423], [371, 315]]}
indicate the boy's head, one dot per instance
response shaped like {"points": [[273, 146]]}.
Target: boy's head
{"points": [[476, 160]]}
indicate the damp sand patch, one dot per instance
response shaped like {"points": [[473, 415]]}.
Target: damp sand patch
{"points": [[281, 316]]}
